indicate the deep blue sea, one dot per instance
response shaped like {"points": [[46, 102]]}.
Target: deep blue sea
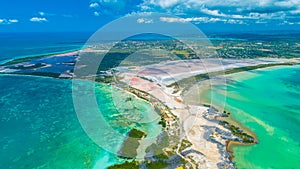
{"points": [[16, 45]]}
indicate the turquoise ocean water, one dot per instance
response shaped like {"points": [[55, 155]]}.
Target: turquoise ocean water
{"points": [[267, 102], [39, 126]]}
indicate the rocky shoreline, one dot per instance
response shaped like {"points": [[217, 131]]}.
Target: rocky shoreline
{"points": [[199, 159]]}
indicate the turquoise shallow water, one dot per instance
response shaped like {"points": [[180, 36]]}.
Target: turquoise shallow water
{"points": [[39, 127], [267, 102]]}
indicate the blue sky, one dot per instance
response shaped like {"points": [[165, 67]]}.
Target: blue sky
{"points": [[86, 15]]}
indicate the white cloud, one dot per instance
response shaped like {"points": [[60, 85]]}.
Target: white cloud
{"points": [[200, 20], [296, 12], [38, 19], [94, 5], [171, 20], [261, 22], [96, 13], [227, 11], [233, 21], [212, 12], [194, 19], [13, 20], [8, 21], [289, 23], [247, 10], [251, 15], [144, 20], [233, 4], [140, 20], [42, 13], [140, 14], [165, 3]]}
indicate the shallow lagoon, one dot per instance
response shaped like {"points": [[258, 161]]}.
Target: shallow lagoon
{"points": [[39, 126], [267, 102]]}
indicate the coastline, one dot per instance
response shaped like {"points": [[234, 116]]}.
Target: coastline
{"points": [[190, 118], [173, 101], [231, 144], [268, 122], [236, 123], [228, 118], [248, 75], [37, 56]]}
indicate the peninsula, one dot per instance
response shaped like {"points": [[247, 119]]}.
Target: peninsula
{"points": [[198, 136]]}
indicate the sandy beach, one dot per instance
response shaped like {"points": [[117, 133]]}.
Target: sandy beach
{"points": [[184, 111], [197, 123]]}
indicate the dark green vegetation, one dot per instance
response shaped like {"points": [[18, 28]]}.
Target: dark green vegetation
{"points": [[282, 45], [104, 79], [225, 114], [136, 53], [134, 133], [157, 165], [162, 122], [127, 165], [21, 60], [131, 143], [248, 68], [46, 74], [159, 159], [156, 149], [184, 145], [246, 138]]}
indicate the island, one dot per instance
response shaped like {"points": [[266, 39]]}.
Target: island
{"points": [[194, 136]]}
